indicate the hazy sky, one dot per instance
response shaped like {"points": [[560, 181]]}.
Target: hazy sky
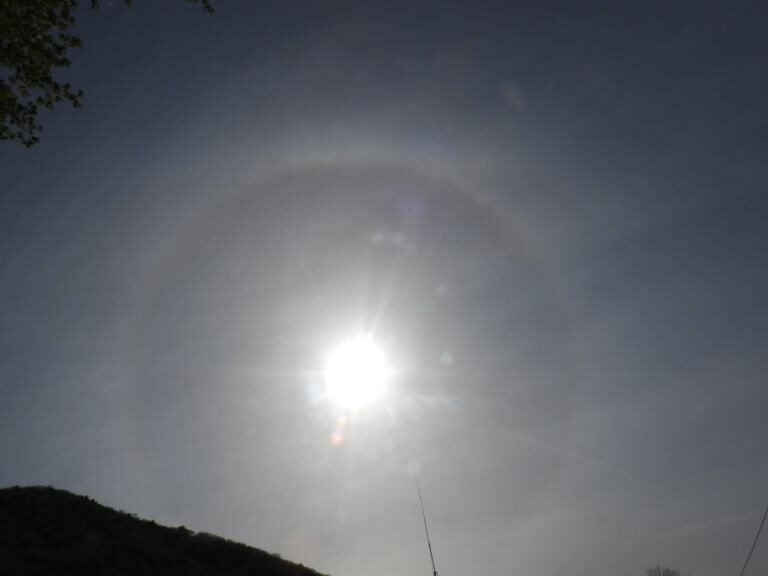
{"points": [[551, 215]]}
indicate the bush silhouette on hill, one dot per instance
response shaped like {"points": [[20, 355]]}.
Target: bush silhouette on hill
{"points": [[45, 531]]}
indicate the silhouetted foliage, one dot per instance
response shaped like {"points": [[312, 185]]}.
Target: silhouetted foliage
{"points": [[44, 531], [34, 42], [661, 571]]}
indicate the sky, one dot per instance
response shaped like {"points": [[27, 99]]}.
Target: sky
{"points": [[550, 216]]}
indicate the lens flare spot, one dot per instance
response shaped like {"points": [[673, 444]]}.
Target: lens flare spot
{"points": [[337, 438]]}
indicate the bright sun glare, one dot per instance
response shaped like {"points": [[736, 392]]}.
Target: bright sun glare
{"points": [[356, 373]]}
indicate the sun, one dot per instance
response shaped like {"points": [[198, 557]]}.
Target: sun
{"points": [[356, 373]]}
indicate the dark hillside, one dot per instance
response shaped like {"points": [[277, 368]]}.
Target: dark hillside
{"points": [[44, 531]]}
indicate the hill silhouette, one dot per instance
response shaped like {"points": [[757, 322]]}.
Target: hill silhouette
{"points": [[45, 531]]}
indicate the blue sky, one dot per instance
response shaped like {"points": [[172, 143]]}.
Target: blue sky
{"points": [[551, 215]]}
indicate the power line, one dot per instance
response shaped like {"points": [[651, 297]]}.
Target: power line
{"points": [[749, 556]]}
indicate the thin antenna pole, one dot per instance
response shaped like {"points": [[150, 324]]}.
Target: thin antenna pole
{"points": [[749, 556], [426, 530]]}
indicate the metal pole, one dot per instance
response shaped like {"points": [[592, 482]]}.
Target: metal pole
{"points": [[426, 530]]}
